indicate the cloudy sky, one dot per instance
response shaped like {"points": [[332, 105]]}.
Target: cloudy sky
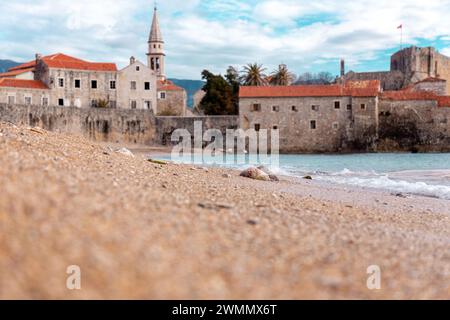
{"points": [[213, 34]]}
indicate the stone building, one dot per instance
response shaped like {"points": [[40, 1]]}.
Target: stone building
{"points": [[137, 87], [171, 99], [408, 66], [314, 118], [72, 82]]}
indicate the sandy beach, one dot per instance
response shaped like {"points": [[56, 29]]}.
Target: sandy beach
{"points": [[140, 230]]}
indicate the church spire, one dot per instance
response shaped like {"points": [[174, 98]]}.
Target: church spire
{"points": [[155, 53], [155, 33]]}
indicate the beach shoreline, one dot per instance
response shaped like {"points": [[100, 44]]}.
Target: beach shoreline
{"points": [[140, 230]]}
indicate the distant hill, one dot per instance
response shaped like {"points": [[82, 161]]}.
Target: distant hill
{"points": [[6, 64], [191, 87]]}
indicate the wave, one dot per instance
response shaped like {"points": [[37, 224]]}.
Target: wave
{"points": [[385, 183]]}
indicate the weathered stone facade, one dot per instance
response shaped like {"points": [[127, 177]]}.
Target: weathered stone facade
{"points": [[165, 126], [413, 125], [409, 66], [113, 125], [137, 88], [418, 64], [172, 100], [70, 82], [390, 80], [315, 125]]}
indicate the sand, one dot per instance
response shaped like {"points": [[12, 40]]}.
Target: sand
{"points": [[139, 230]]}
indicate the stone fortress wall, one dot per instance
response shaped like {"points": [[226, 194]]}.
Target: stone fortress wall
{"points": [[109, 125]]}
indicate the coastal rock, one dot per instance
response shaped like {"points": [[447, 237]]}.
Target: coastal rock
{"points": [[125, 152], [255, 174]]}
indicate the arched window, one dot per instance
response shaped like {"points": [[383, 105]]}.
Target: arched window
{"points": [[152, 64]]}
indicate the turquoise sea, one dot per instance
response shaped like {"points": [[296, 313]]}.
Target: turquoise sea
{"points": [[422, 174]]}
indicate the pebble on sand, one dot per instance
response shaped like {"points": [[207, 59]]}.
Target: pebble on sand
{"points": [[125, 152], [255, 174]]}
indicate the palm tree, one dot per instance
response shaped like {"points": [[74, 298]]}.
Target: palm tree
{"points": [[253, 75], [282, 76]]}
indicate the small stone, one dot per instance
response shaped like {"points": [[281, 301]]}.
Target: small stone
{"points": [[125, 152], [226, 175], [157, 161], [308, 178], [36, 130], [252, 222]]}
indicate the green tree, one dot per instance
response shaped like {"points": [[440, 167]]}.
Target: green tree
{"points": [[253, 75], [234, 81], [218, 99], [282, 76]]}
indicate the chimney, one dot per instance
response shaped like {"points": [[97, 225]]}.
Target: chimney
{"points": [[38, 57], [342, 67], [132, 60]]}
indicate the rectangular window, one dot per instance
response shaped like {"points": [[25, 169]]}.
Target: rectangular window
{"points": [[138, 68], [313, 125], [112, 85], [275, 127], [294, 108], [335, 125], [94, 84], [77, 83], [27, 101], [61, 82], [349, 107], [147, 86], [257, 127], [337, 104], [94, 103], [315, 108], [44, 101], [133, 104], [256, 107], [162, 95], [61, 102], [276, 109], [363, 106], [133, 85], [148, 105], [11, 99], [113, 104]]}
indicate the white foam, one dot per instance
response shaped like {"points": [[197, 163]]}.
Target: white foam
{"points": [[384, 182]]}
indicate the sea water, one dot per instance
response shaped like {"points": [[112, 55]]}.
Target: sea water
{"points": [[421, 174]]}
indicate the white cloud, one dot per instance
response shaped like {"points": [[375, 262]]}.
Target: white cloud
{"points": [[215, 34]]}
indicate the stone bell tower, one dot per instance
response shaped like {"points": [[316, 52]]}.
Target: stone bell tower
{"points": [[155, 53]]}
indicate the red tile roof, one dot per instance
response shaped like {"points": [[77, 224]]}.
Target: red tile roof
{"points": [[168, 85], [19, 83], [443, 101], [369, 88], [15, 73], [62, 61]]}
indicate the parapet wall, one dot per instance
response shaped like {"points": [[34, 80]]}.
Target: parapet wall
{"points": [[113, 125], [165, 126]]}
